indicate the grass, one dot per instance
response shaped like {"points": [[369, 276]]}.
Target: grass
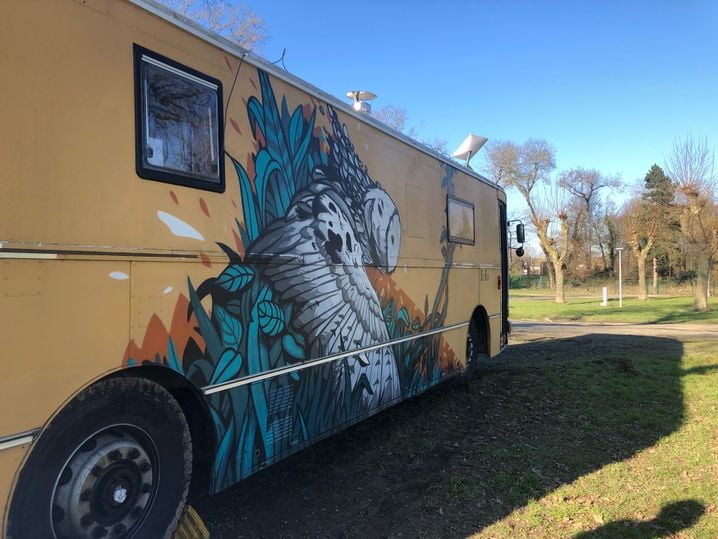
{"points": [[654, 310], [619, 445]]}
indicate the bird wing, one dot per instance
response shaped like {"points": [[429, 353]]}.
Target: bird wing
{"points": [[313, 259]]}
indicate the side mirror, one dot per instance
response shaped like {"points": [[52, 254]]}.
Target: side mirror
{"points": [[520, 235], [520, 252]]}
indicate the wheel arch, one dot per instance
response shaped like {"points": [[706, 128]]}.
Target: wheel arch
{"points": [[479, 322], [197, 414]]}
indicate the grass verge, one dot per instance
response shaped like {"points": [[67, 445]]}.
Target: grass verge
{"points": [[652, 311]]}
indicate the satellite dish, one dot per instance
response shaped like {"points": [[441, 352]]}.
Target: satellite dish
{"points": [[468, 149], [360, 98]]}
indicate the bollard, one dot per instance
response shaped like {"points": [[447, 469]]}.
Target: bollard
{"points": [[605, 297]]}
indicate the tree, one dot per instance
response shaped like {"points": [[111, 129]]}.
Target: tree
{"points": [[640, 227], [584, 185], [527, 169], [691, 166], [229, 19], [398, 118]]}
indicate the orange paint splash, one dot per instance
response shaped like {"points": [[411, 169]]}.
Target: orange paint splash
{"points": [[203, 207], [157, 336], [235, 126], [205, 260], [174, 197], [237, 242], [226, 60]]}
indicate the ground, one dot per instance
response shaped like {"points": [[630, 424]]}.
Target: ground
{"points": [[576, 430]]}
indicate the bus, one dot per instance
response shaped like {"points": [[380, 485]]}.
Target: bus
{"points": [[208, 264]]}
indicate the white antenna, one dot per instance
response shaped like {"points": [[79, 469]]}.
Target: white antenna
{"points": [[360, 98], [468, 149]]}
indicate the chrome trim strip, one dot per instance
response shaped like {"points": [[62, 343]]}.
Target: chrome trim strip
{"points": [[21, 438], [209, 390], [28, 255], [169, 15], [494, 316]]}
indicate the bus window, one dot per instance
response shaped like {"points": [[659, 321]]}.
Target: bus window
{"points": [[178, 121]]}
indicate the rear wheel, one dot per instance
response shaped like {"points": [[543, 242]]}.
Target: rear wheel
{"points": [[473, 344], [114, 463]]}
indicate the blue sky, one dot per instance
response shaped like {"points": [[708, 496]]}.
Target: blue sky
{"points": [[609, 84]]}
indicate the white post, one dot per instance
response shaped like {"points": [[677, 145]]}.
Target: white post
{"points": [[605, 296], [620, 277]]}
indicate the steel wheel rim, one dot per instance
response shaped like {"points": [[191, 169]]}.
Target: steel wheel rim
{"points": [[107, 486]]}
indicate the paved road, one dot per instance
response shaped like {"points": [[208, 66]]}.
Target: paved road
{"points": [[524, 330]]}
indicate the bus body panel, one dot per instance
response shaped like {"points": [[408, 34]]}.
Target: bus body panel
{"points": [[102, 270]]}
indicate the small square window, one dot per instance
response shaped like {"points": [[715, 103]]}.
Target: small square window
{"points": [[178, 123], [460, 215]]}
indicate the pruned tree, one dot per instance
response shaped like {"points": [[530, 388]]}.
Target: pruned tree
{"points": [[640, 226], [585, 185], [527, 169], [691, 166], [229, 19]]}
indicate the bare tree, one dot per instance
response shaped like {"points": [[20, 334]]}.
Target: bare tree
{"points": [[640, 226], [691, 166], [229, 19], [527, 169], [585, 185], [398, 118]]}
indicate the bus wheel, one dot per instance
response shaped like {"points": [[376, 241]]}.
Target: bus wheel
{"points": [[114, 463], [472, 352]]}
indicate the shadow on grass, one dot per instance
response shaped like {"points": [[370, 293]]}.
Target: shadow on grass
{"points": [[673, 518], [459, 458]]}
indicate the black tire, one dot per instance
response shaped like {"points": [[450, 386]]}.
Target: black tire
{"points": [[472, 352], [132, 435]]}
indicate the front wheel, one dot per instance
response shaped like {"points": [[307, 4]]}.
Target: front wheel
{"points": [[472, 352], [114, 463]]}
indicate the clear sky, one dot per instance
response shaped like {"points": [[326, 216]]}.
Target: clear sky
{"points": [[608, 83]]}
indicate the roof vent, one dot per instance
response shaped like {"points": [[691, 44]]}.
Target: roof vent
{"points": [[361, 99]]}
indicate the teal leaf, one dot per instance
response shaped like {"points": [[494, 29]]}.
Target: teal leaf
{"points": [[228, 366], [222, 460], [206, 329], [235, 277], [229, 326], [271, 318], [403, 315], [249, 204], [292, 347], [174, 361]]}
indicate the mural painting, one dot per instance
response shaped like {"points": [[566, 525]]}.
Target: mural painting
{"points": [[319, 240]]}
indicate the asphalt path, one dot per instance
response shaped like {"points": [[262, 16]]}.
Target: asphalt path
{"points": [[525, 330]]}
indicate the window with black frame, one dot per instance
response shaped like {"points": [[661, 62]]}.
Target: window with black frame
{"points": [[179, 123], [460, 216]]}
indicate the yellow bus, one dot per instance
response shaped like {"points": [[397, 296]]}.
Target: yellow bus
{"points": [[206, 265]]}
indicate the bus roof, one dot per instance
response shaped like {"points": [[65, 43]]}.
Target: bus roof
{"points": [[164, 12]]}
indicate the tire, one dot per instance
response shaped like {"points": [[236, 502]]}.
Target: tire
{"points": [[115, 462], [472, 352]]}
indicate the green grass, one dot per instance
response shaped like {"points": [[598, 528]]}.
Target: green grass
{"points": [[613, 439], [654, 310]]}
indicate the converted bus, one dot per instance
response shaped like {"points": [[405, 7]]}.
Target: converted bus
{"points": [[206, 265]]}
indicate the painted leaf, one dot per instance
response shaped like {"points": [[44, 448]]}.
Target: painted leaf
{"points": [[292, 347], [206, 329], [228, 366], [271, 318], [222, 460], [403, 315], [235, 277], [249, 205], [229, 326], [172, 357]]}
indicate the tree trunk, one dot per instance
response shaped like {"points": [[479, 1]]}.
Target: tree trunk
{"points": [[700, 298], [641, 261], [560, 291], [655, 277]]}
